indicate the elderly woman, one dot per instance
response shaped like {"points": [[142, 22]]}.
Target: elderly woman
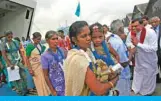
{"points": [[79, 64], [52, 64]]}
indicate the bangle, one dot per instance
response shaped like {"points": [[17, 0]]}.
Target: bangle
{"points": [[111, 84]]}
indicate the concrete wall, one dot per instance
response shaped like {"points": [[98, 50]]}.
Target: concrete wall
{"points": [[16, 21], [28, 3]]}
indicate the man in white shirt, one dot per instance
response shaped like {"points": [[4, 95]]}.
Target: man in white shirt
{"points": [[146, 22], [144, 40]]}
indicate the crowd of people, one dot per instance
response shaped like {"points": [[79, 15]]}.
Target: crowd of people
{"points": [[92, 60]]}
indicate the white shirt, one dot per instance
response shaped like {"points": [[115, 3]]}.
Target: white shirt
{"points": [[119, 46], [148, 26], [108, 34]]}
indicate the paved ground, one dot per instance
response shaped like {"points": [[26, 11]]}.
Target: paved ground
{"points": [[5, 91], [157, 90]]}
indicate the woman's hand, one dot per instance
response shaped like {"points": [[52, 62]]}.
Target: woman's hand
{"points": [[23, 62], [54, 93], [31, 72], [10, 65], [114, 81]]}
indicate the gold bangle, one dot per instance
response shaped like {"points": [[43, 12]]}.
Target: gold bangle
{"points": [[111, 84]]}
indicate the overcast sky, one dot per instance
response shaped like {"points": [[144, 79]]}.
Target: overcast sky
{"points": [[50, 14]]}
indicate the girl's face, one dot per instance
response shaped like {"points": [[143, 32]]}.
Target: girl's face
{"points": [[97, 38], [53, 41], [37, 40], [83, 39]]}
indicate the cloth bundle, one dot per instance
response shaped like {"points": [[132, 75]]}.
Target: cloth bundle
{"points": [[106, 73]]}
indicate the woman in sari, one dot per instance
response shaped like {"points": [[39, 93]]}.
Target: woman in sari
{"points": [[10, 84], [10, 51], [33, 53], [52, 61], [79, 76], [30, 83]]}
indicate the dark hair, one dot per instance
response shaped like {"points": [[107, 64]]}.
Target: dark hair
{"points": [[18, 39], [145, 17], [49, 34], [106, 26], [8, 33], [137, 19], [96, 26], [76, 28], [36, 34], [23, 39], [61, 31]]}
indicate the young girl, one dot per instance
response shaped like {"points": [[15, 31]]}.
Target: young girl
{"points": [[101, 49], [52, 64], [79, 76]]}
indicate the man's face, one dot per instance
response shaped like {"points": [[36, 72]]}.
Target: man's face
{"points": [[61, 35], [145, 22], [136, 27], [105, 29], [155, 22]]}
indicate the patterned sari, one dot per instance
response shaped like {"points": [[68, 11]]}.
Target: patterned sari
{"points": [[53, 63], [12, 53], [34, 54]]}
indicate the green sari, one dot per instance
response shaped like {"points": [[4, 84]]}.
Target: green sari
{"points": [[34, 54], [12, 53]]}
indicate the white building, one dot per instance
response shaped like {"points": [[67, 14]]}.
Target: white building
{"points": [[17, 16]]}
